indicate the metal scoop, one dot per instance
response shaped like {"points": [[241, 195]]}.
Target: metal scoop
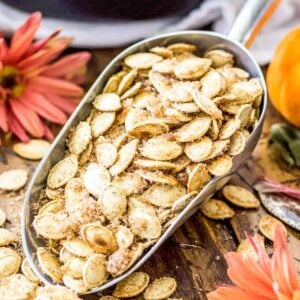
{"points": [[204, 40]]}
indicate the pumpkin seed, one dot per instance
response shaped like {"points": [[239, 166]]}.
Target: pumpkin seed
{"points": [[62, 172], [212, 84], [132, 286], [132, 91], [237, 143], [192, 68], [51, 226], [180, 91], [193, 130], [240, 196], [124, 237], [94, 271], [125, 157], [78, 247], [199, 151], [166, 66], [188, 107], [219, 58], [142, 60], [229, 128], [65, 255], [55, 292], [161, 51], [161, 288], [75, 284], [17, 286], [6, 237], [178, 48], [121, 260], [98, 238], [130, 183], [142, 99], [75, 193], [154, 164], [113, 82], [101, 122], [95, 179], [177, 115], [74, 266], [160, 148], [163, 195], [267, 225], [54, 194], [218, 148], [144, 223], [126, 82], [134, 117], [13, 180], [230, 108], [107, 102], [10, 262], [148, 128], [106, 154], [233, 75], [244, 115], [113, 202], [198, 178], [224, 99], [213, 131], [220, 166], [245, 248], [80, 138], [158, 177], [246, 91], [216, 209], [53, 206], [49, 264], [27, 271], [35, 149], [207, 105]]}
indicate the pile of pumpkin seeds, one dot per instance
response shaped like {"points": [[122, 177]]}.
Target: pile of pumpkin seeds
{"points": [[161, 128]]}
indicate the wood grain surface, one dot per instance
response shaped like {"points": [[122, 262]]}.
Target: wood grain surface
{"points": [[194, 254]]}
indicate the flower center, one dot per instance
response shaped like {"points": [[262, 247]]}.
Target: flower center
{"points": [[10, 82]]}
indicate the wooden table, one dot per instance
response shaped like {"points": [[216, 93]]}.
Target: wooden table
{"points": [[194, 254]]}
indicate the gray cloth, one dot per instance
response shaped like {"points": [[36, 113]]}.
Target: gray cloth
{"points": [[116, 33]]}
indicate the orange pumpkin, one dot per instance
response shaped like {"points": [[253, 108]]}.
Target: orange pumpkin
{"points": [[283, 77]]}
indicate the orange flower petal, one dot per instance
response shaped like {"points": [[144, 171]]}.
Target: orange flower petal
{"points": [[69, 64], [247, 274], [283, 270], [44, 56], [230, 293], [38, 103], [38, 45], [65, 104], [3, 117], [43, 84], [48, 133], [16, 127], [3, 49], [28, 118], [23, 37]]}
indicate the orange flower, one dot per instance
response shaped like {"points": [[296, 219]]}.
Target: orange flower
{"points": [[262, 279], [34, 87]]}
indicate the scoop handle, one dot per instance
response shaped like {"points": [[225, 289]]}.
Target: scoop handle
{"points": [[250, 14]]}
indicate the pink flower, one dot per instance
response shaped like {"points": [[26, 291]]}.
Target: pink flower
{"points": [[262, 279], [34, 86]]}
